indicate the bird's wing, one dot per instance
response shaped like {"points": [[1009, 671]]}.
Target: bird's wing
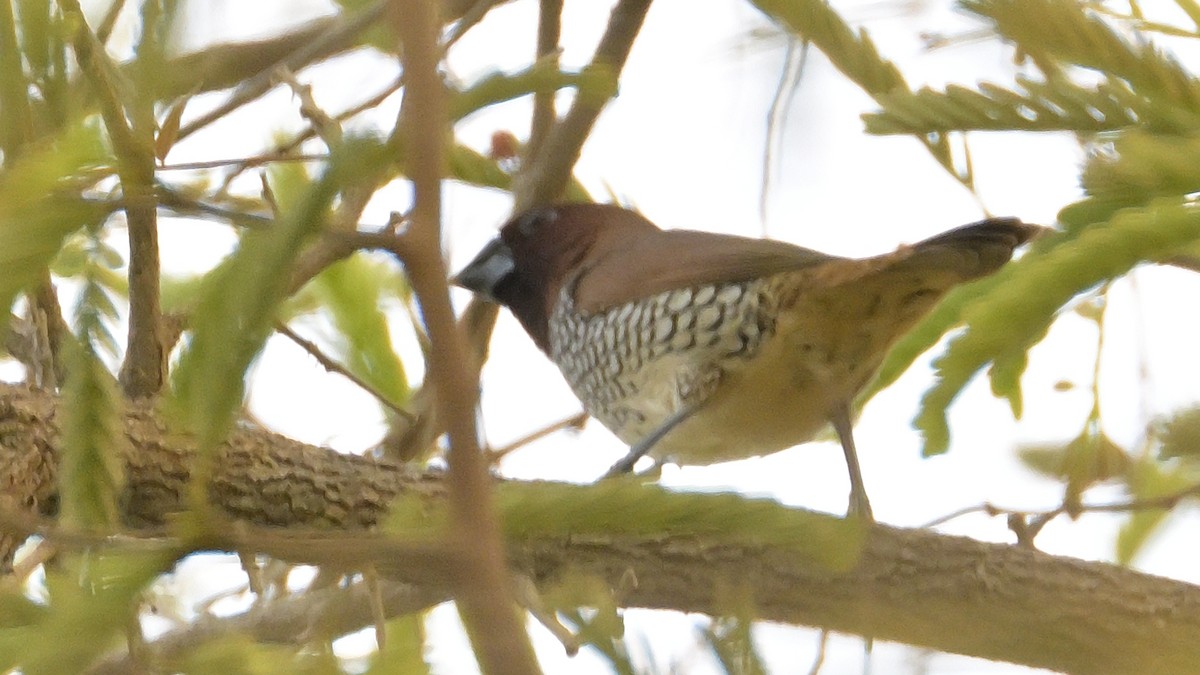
{"points": [[666, 260]]}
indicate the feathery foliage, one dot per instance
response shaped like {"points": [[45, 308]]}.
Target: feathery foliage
{"points": [[93, 457], [235, 314]]}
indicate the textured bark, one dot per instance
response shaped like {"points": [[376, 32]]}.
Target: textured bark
{"points": [[917, 587]]}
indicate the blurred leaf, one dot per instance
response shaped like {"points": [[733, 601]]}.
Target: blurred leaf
{"points": [[1090, 458], [90, 480], [1148, 479], [542, 76], [91, 476], [168, 130], [353, 291], [927, 333], [1138, 168], [237, 309], [851, 52], [404, 651], [1005, 375], [732, 642], [18, 610], [1025, 296], [380, 35], [1180, 435], [1066, 32], [616, 508], [240, 655], [1056, 103], [35, 33], [181, 293], [36, 212], [600, 626], [91, 602]]}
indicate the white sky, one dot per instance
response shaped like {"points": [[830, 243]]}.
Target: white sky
{"points": [[684, 143]]}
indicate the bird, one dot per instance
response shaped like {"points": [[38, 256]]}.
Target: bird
{"points": [[695, 347]]}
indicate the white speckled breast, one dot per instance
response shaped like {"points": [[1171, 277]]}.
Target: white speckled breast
{"points": [[635, 364]]}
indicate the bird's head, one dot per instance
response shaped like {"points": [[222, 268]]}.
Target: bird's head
{"points": [[540, 250]]}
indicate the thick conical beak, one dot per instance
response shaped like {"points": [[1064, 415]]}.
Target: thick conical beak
{"points": [[487, 270]]}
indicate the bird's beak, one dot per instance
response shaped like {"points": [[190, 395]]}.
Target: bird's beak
{"points": [[487, 270]]}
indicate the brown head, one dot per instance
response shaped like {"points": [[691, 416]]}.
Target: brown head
{"points": [[538, 251]]}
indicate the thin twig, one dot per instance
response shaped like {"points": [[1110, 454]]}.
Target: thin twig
{"points": [[322, 122], [296, 619], [794, 60], [484, 595], [470, 18], [105, 29], [144, 371], [273, 157], [296, 141], [548, 35], [333, 366], [339, 34], [819, 660], [543, 178], [531, 599], [1035, 520], [575, 421]]}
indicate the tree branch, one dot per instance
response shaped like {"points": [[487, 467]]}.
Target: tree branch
{"points": [[145, 367], [314, 615], [484, 594], [547, 172], [917, 587]]}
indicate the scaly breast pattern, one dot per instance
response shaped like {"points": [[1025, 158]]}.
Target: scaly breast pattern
{"points": [[632, 366]]}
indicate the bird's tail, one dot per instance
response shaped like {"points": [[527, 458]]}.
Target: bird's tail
{"points": [[973, 250]]}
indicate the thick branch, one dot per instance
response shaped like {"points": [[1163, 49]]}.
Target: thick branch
{"points": [[916, 587]]}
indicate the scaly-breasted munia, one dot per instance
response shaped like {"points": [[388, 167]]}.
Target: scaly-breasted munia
{"points": [[698, 348]]}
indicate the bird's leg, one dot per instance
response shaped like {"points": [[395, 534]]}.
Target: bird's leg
{"points": [[860, 506], [692, 391], [643, 447]]}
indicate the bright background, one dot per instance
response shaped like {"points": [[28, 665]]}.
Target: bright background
{"points": [[685, 143]]}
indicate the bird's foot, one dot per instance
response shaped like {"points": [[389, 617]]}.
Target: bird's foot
{"points": [[860, 507]]}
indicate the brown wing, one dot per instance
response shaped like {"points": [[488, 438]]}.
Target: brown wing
{"points": [[665, 260]]}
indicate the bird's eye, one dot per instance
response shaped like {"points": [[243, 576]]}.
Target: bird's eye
{"points": [[528, 223]]}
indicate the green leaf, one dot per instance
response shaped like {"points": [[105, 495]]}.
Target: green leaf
{"points": [[622, 508], [353, 291], [35, 211], [34, 18], [1088, 459], [1148, 479], [1053, 29], [732, 642], [1027, 294], [181, 293], [93, 457], [404, 651], [851, 52], [238, 307], [542, 76], [91, 479], [1055, 104], [1142, 167], [92, 599], [1180, 436], [237, 654]]}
